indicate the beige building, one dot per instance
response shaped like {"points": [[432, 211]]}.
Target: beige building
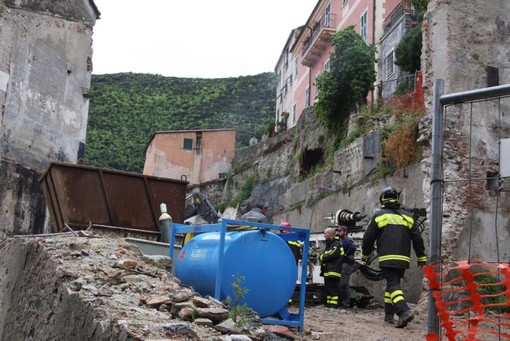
{"points": [[197, 156]]}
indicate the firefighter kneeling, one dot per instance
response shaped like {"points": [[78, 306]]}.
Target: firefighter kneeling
{"points": [[331, 267]]}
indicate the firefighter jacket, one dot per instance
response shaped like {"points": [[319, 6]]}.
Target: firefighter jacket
{"points": [[295, 247], [393, 229], [331, 259]]}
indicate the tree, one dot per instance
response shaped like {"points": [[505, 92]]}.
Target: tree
{"points": [[346, 84], [408, 51], [418, 5]]}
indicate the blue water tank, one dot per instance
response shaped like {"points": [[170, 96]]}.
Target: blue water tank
{"points": [[262, 258]]}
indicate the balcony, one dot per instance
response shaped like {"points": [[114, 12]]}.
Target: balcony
{"points": [[396, 16], [319, 39]]}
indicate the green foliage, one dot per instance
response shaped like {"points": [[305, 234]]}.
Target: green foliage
{"points": [[408, 51], [346, 85], [240, 313], [489, 285], [246, 190], [269, 172], [418, 5], [126, 109], [383, 169], [358, 132]]}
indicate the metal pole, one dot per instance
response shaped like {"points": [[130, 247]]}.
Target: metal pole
{"points": [[476, 95], [436, 213]]}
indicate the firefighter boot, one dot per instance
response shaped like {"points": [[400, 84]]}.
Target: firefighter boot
{"points": [[388, 318], [404, 318]]}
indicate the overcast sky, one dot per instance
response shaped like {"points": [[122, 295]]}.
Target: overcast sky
{"points": [[201, 38]]}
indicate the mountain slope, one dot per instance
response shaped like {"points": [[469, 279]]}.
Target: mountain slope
{"points": [[126, 109]]}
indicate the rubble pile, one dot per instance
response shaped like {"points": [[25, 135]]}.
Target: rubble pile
{"points": [[64, 287]]}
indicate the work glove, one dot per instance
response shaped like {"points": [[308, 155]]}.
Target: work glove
{"points": [[364, 259], [421, 264]]}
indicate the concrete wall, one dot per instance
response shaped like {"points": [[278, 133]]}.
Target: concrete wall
{"points": [[45, 71]]}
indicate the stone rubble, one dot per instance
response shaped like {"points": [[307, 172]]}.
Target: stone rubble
{"points": [[125, 294]]}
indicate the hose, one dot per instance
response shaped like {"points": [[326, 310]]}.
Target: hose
{"points": [[370, 273]]}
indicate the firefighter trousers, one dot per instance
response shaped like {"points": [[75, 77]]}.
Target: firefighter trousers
{"points": [[332, 291], [394, 301]]}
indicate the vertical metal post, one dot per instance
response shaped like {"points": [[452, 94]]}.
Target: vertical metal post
{"points": [[436, 214], [221, 251]]}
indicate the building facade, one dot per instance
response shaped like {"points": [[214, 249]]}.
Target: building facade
{"points": [[286, 72], [309, 52], [197, 156]]}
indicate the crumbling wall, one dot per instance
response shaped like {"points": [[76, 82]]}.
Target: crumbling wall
{"points": [[465, 41], [22, 202], [77, 288], [45, 71], [34, 305]]}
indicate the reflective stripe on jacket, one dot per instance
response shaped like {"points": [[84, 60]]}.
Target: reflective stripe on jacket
{"points": [[393, 229], [331, 259]]}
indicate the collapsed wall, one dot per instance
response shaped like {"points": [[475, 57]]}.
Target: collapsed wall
{"points": [[36, 305], [45, 72], [465, 43], [64, 287]]}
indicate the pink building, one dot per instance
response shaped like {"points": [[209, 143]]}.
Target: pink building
{"points": [[197, 156], [308, 53]]}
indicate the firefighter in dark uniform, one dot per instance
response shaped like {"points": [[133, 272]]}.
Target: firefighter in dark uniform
{"points": [[331, 267], [294, 245], [393, 229]]}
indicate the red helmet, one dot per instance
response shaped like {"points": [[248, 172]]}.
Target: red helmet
{"points": [[285, 224]]}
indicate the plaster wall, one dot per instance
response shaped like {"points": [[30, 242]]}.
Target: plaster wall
{"points": [[166, 157], [45, 71]]}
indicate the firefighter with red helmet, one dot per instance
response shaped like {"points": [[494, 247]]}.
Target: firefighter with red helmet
{"points": [[294, 245], [393, 229]]}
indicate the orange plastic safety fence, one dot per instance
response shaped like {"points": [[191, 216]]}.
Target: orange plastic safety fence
{"points": [[472, 300]]}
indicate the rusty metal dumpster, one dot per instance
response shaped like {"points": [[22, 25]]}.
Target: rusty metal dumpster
{"points": [[80, 196]]}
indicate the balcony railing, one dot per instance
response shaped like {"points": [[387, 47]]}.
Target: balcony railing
{"points": [[395, 16], [319, 39]]}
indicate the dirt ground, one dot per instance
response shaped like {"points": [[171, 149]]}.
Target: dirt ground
{"points": [[323, 323]]}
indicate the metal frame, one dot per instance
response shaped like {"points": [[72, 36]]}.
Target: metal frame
{"points": [[437, 177], [284, 317]]}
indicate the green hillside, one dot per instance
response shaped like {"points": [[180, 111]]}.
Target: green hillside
{"points": [[126, 109]]}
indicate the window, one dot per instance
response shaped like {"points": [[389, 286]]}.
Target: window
{"points": [[198, 143], [327, 65], [307, 97], [389, 66], [294, 113], [327, 16], [317, 85], [363, 26], [296, 64], [187, 144], [345, 2]]}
